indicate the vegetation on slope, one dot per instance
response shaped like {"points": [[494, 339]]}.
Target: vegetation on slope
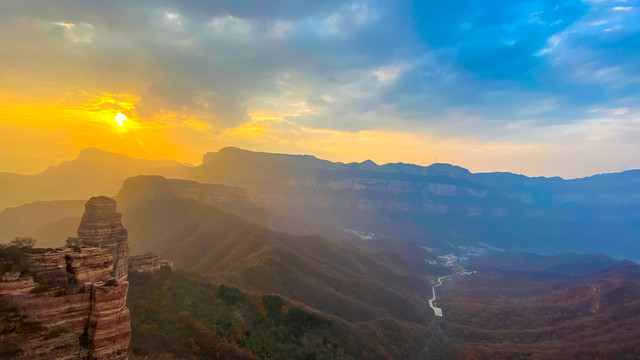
{"points": [[548, 307], [336, 279], [183, 315]]}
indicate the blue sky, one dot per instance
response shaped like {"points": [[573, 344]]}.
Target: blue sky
{"points": [[539, 87]]}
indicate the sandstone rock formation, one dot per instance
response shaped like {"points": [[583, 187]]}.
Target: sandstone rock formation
{"points": [[101, 226], [149, 263], [109, 321], [69, 303]]}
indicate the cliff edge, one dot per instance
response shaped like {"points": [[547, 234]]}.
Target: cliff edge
{"points": [[68, 303]]}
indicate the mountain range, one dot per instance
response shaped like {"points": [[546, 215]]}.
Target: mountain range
{"points": [[439, 206], [360, 245]]}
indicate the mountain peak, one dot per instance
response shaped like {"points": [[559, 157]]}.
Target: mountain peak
{"points": [[231, 149], [368, 164], [237, 155], [91, 152]]}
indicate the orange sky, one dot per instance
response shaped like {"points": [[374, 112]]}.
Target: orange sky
{"points": [[52, 129], [192, 79]]}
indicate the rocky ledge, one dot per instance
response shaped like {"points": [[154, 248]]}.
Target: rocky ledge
{"points": [[148, 263], [68, 303]]}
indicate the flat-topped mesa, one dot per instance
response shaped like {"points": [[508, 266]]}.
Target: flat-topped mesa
{"points": [[143, 188], [101, 226]]}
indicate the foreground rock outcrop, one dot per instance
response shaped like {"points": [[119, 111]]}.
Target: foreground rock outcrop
{"points": [[101, 226], [69, 303]]}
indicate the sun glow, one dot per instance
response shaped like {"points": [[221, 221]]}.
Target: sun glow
{"points": [[120, 119]]}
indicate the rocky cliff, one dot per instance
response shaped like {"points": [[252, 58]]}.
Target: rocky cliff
{"points": [[289, 180], [68, 303], [147, 187], [294, 184], [440, 204], [148, 263], [101, 226]]}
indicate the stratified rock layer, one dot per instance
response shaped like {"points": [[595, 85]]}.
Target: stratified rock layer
{"points": [[70, 303], [149, 262], [110, 321], [148, 187], [101, 226], [76, 296]]}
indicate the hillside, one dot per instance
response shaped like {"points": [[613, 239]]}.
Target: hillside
{"points": [[186, 316], [367, 290], [561, 307], [50, 222], [228, 198], [206, 240]]}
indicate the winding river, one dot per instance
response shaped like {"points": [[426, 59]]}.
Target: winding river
{"points": [[436, 310]]}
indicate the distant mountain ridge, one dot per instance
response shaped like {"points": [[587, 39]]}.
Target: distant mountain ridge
{"points": [[441, 205], [228, 154], [94, 172], [233, 154]]}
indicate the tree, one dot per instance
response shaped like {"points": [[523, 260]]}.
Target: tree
{"points": [[23, 242]]}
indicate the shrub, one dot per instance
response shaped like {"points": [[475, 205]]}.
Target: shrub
{"points": [[231, 296], [23, 242]]}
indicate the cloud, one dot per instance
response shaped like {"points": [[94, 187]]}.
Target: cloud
{"points": [[490, 71], [80, 33]]}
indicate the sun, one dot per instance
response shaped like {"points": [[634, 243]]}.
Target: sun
{"points": [[120, 119]]}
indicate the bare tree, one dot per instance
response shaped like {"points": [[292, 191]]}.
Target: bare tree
{"points": [[22, 242]]}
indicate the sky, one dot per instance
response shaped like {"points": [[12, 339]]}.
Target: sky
{"points": [[542, 88]]}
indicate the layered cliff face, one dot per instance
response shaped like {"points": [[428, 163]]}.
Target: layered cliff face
{"points": [[68, 303], [73, 309], [148, 187], [440, 204], [148, 263], [109, 321], [282, 180], [294, 182], [101, 226]]}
